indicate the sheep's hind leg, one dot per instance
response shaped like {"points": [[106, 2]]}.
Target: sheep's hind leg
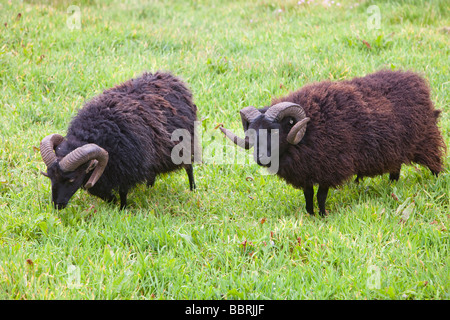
{"points": [[190, 172], [322, 194], [358, 178], [309, 199], [151, 180], [123, 197], [395, 175]]}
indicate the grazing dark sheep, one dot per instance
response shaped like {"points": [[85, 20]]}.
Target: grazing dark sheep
{"points": [[330, 131], [121, 138]]}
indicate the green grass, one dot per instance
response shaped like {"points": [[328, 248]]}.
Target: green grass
{"points": [[233, 238]]}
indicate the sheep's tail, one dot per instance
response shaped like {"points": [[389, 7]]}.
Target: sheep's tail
{"points": [[436, 113], [441, 143]]}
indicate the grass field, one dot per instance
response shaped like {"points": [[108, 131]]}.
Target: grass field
{"points": [[242, 234]]}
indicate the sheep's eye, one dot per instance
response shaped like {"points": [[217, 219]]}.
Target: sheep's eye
{"points": [[72, 180], [291, 121]]}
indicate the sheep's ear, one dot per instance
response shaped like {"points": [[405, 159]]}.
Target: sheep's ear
{"points": [[92, 165], [45, 174]]}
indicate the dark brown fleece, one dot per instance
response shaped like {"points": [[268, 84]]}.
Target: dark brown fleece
{"points": [[366, 126], [134, 122]]}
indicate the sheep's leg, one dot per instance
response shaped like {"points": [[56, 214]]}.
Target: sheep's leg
{"points": [[394, 176], [322, 194], [435, 173], [123, 197], [309, 199], [151, 180], [358, 178], [190, 172]]}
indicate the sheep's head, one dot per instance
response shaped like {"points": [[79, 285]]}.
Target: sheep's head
{"points": [[68, 170], [272, 131]]}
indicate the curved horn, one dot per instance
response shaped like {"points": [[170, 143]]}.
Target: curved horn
{"points": [[82, 155], [248, 114], [47, 147], [297, 132], [243, 143], [283, 109], [280, 110]]}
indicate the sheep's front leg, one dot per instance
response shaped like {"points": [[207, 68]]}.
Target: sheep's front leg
{"points": [[309, 198], [322, 194]]}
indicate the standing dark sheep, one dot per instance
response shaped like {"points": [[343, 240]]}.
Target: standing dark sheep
{"points": [[121, 138], [330, 131]]}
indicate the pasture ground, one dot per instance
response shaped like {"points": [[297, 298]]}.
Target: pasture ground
{"points": [[242, 234]]}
